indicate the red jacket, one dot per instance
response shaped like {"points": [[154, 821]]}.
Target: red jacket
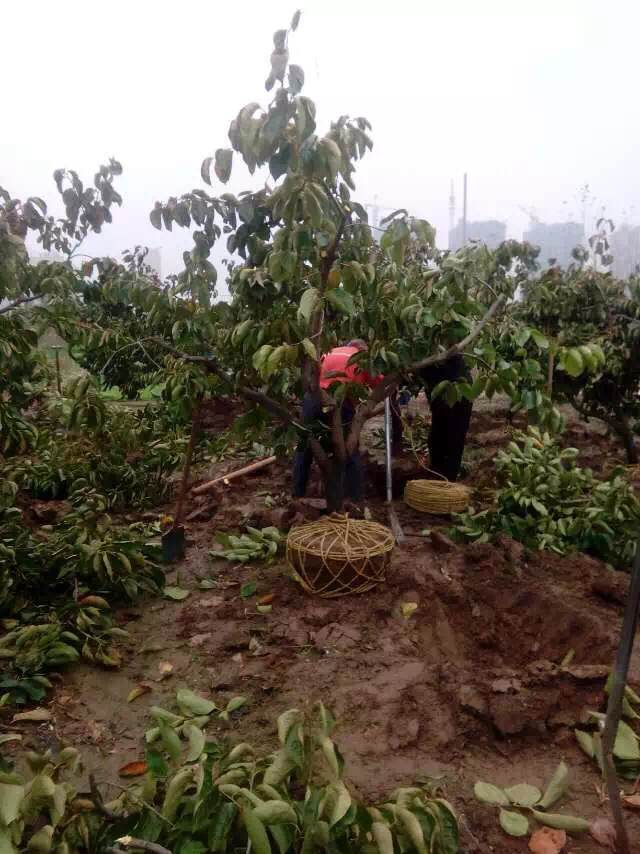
{"points": [[334, 368]]}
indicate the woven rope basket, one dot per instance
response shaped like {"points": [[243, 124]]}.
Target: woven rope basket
{"points": [[437, 496], [337, 555]]}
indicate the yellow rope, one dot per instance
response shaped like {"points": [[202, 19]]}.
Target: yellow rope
{"points": [[337, 555], [436, 496]]}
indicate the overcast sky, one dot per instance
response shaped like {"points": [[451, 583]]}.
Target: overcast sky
{"points": [[532, 99]]}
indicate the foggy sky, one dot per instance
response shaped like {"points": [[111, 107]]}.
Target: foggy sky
{"points": [[532, 99]]}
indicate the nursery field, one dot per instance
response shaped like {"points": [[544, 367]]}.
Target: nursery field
{"points": [[172, 678]]}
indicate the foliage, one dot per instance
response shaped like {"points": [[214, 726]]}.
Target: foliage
{"points": [[254, 545], [592, 321], [548, 502], [49, 578], [527, 798], [307, 272], [626, 747], [199, 796], [36, 296]]}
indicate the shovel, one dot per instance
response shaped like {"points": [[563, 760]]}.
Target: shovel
{"points": [[393, 519], [173, 542]]}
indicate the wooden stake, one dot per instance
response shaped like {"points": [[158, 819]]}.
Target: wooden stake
{"points": [[614, 706], [225, 478]]}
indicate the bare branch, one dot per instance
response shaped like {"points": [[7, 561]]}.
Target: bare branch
{"points": [[98, 801]]}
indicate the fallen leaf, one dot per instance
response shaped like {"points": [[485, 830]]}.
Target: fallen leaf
{"points": [[138, 691], [248, 589], [206, 584], [165, 668], [35, 715], [408, 608], [10, 736], [264, 609], [547, 841], [177, 593], [632, 801], [603, 831], [267, 599], [133, 769]]}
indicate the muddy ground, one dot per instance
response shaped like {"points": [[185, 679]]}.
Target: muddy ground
{"points": [[469, 687]]}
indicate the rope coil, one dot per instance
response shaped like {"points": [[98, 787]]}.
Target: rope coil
{"points": [[437, 496], [336, 556]]}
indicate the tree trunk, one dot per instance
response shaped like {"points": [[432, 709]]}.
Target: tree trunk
{"points": [[334, 482], [629, 441]]}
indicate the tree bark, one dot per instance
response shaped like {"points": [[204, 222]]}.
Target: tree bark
{"points": [[628, 440], [334, 482]]}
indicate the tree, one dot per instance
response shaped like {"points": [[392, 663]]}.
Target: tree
{"points": [[33, 297], [592, 321], [308, 272]]}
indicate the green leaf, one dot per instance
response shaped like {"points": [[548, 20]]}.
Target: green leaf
{"points": [[626, 743], [6, 842], [570, 823], [220, 828], [513, 823], [178, 785], [296, 79], [224, 160], [556, 788], [540, 340], [523, 795], [11, 798], [309, 349], [170, 741], [573, 362], [193, 704], [236, 703], [275, 812], [256, 831], [261, 356], [177, 593], [247, 590], [295, 20], [489, 794], [205, 174], [196, 742], [156, 764], [341, 300], [383, 837], [308, 302]]}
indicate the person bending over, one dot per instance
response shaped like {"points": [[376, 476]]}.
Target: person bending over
{"points": [[334, 367]]}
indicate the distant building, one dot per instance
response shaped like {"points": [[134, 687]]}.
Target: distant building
{"points": [[624, 245], [489, 231], [556, 241]]}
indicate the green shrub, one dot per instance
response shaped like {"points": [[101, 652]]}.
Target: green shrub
{"points": [[197, 796], [547, 501]]}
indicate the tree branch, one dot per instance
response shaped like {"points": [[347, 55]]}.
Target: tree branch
{"points": [[389, 384], [208, 363], [311, 371], [98, 801], [18, 302]]}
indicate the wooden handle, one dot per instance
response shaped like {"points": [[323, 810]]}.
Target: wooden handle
{"points": [[225, 478]]}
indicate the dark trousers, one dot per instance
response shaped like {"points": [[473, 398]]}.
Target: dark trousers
{"points": [[449, 424], [353, 476]]}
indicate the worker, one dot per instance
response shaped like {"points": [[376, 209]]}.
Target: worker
{"points": [[335, 367], [449, 424]]}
